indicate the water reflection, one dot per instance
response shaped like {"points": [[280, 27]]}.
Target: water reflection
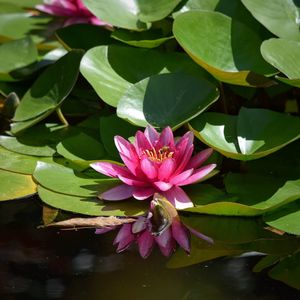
{"points": [[52, 264]]}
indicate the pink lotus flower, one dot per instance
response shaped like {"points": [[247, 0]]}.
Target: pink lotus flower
{"points": [[156, 163], [146, 233], [73, 10]]}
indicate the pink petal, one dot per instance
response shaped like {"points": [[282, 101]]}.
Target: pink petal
{"points": [[166, 138], [141, 143], [178, 198], [166, 243], [117, 193], [149, 168], [109, 169], [181, 177], [139, 225], [130, 180], [142, 193], [124, 237], [162, 186], [184, 151], [189, 136], [181, 235], [166, 169], [133, 165], [198, 159], [104, 229], [200, 235], [151, 134], [198, 174], [145, 243]]}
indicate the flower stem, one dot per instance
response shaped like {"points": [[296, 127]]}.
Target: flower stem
{"points": [[61, 117]]}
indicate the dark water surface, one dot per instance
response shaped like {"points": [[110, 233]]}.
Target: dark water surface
{"points": [[53, 264]]}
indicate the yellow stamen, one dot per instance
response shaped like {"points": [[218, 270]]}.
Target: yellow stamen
{"points": [[160, 155]]}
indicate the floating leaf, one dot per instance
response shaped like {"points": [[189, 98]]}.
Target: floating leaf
{"points": [[252, 134], [51, 88], [131, 14], [14, 185], [166, 100], [64, 180], [280, 17], [226, 48], [285, 56], [266, 262], [49, 214], [91, 206], [112, 70]]}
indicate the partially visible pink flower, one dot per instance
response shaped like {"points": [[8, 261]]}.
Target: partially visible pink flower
{"points": [[143, 232], [156, 163], [73, 10]]}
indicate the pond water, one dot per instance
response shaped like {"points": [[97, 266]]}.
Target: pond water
{"points": [[54, 264]]}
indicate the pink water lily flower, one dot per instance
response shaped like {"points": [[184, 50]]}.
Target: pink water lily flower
{"points": [[147, 234], [73, 10], [156, 163]]}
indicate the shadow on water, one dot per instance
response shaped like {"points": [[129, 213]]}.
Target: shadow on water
{"points": [[54, 264]]}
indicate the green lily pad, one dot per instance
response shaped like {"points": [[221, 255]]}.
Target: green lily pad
{"points": [[91, 206], [166, 100], [51, 88], [131, 14], [226, 48], [64, 180], [14, 185], [111, 70], [90, 36], [144, 39], [284, 55], [278, 16], [252, 134], [286, 218], [16, 54]]}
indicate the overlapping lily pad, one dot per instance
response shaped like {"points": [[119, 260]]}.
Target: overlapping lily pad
{"points": [[252, 134], [112, 70], [131, 14], [284, 55], [166, 100], [226, 48]]}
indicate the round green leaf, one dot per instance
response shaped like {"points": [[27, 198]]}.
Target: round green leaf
{"points": [[16, 54], [252, 134], [281, 17], [92, 206], [111, 70], [131, 14], [51, 88], [167, 100], [64, 180], [226, 48], [285, 56], [14, 185]]}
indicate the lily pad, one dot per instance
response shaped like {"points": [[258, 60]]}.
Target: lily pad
{"points": [[252, 134], [284, 55], [131, 14], [91, 206], [14, 185], [166, 100], [111, 70], [278, 16], [226, 48], [51, 88], [64, 180]]}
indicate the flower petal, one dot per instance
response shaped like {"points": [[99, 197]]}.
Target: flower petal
{"points": [[104, 229], [198, 174], [151, 134], [166, 169], [109, 169], [200, 235], [139, 225], [142, 193], [131, 180], [166, 138], [141, 143], [181, 177], [178, 198], [163, 186], [181, 235], [166, 243], [117, 193], [125, 147], [198, 159], [124, 237], [148, 168], [145, 243]]}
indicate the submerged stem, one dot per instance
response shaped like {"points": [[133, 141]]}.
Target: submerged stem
{"points": [[61, 117]]}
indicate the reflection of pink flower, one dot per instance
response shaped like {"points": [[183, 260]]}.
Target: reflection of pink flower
{"points": [[156, 163], [73, 10], [143, 232]]}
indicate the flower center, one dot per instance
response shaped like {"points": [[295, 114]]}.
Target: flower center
{"points": [[160, 155]]}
